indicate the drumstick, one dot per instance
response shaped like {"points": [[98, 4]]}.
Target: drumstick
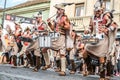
{"points": [[50, 20], [83, 25], [53, 16]]}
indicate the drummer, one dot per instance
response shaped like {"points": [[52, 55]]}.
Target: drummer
{"points": [[95, 28], [17, 34], [17, 43], [25, 34], [61, 25], [40, 28], [96, 23], [40, 24]]}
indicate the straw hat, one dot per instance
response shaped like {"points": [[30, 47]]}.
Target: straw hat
{"points": [[60, 6], [98, 5], [37, 14]]}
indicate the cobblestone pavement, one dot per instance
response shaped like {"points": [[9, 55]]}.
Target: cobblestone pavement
{"points": [[8, 73]]}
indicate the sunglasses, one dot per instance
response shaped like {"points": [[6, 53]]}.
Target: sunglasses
{"points": [[38, 17], [58, 9], [98, 11]]}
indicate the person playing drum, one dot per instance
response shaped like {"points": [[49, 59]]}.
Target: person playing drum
{"points": [[17, 34], [104, 28], [61, 25], [26, 34], [40, 27], [17, 43], [40, 24]]}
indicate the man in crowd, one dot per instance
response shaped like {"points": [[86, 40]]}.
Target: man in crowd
{"points": [[40, 27], [61, 25], [103, 28]]}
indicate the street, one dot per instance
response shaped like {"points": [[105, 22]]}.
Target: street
{"points": [[8, 73]]}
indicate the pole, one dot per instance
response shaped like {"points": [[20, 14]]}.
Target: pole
{"points": [[4, 13]]}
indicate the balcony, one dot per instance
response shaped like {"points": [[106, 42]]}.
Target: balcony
{"points": [[82, 23]]}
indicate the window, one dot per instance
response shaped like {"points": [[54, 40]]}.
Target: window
{"points": [[79, 9], [107, 4]]}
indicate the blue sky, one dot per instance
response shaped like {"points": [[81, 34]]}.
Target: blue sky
{"points": [[11, 3]]}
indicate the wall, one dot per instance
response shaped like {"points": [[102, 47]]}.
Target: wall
{"points": [[29, 11]]}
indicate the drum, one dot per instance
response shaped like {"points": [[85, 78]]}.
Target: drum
{"points": [[90, 40], [54, 35], [25, 39], [44, 41]]}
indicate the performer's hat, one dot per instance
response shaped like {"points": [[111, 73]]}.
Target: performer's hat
{"points": [[38, 14], [62, 5], [59, 6], [99, 5]]}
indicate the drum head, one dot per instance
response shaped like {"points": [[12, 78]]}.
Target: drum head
{"points": [[45, 41], [54, 35]]}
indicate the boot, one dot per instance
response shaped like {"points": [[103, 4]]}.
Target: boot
{"points": [[38, 64], [21, 61], [63, 66], [47, 61], [102, 79], [73, 67], [57, 69], [46, 67], [109, 70], [101, 67], [84, 72], [58, 66], [7, 57], [30, 60], [102, 74], [14, 61], [62, 73]]}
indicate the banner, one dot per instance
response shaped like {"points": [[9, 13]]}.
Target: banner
{"points": [[24, 21]]}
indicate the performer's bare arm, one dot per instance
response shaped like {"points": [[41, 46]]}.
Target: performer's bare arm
{"points": [[112, 25], [66, 23], [81, 46], [90, 29]]}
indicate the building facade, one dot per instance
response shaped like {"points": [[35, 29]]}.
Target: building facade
{"points": [[28, 9], [81, 11]]}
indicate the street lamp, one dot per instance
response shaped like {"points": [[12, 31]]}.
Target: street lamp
{"points": [[4, 13]]}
